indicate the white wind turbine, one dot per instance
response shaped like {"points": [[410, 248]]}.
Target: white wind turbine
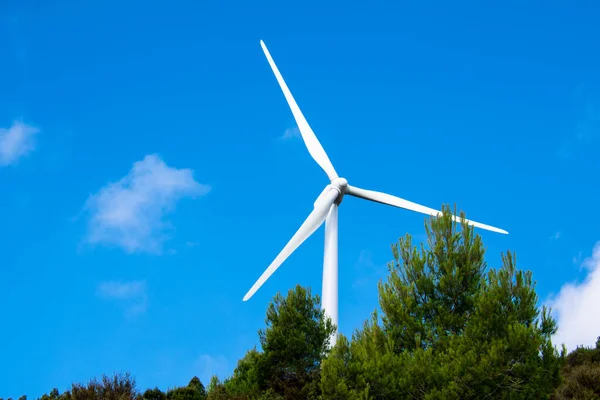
{"points": [[326, 210]]}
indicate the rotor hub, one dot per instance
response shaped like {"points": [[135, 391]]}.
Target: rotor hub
{"points": [[341, 185]]}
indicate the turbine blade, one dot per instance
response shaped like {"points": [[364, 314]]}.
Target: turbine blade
{"points": [[409, 205], [322, 195], [310, 140], [310, 225]]}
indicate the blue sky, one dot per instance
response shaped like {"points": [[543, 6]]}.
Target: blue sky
{"points": [[147, 178]]}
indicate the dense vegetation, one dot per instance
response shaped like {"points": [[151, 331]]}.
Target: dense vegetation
{"points": [[450, 328]]}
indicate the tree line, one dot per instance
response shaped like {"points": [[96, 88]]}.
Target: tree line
{"points": [[449, 328]]}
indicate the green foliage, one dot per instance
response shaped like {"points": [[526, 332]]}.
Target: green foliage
{"points": [[193, 391], [216, 390], [183, 393], [581, 375], [198, 387], [247, 378], [294, 342], [214, 383], [449, 330], [430, 292], [270, 394], [336, 372], [219, 393], [154, 394], [53, 395], [117, 387]]}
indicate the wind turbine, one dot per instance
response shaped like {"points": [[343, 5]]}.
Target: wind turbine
{"points": [[326, 210]]}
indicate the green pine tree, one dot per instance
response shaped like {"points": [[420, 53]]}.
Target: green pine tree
{"points": [[294, 342], [247, 379], [450, 328]]}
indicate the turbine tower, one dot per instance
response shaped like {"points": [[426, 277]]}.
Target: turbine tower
{"points": [[325, 209]]}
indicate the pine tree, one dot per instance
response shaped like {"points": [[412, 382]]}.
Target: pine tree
{"points": [[294, 342], [450, 328]]}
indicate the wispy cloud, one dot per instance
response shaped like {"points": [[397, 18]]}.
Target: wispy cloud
{"points": [[556, 236], [577, 260], [132, 295], [16, 142], [206, 366], [131, 213], [586, 130], [367, 270], [291, 133], [576, 307]]}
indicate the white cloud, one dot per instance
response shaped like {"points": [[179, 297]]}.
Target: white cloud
{"points": [[132, 295], [291, 133], [576, 307], [131, 213], [16, 142], [206, 366]]}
